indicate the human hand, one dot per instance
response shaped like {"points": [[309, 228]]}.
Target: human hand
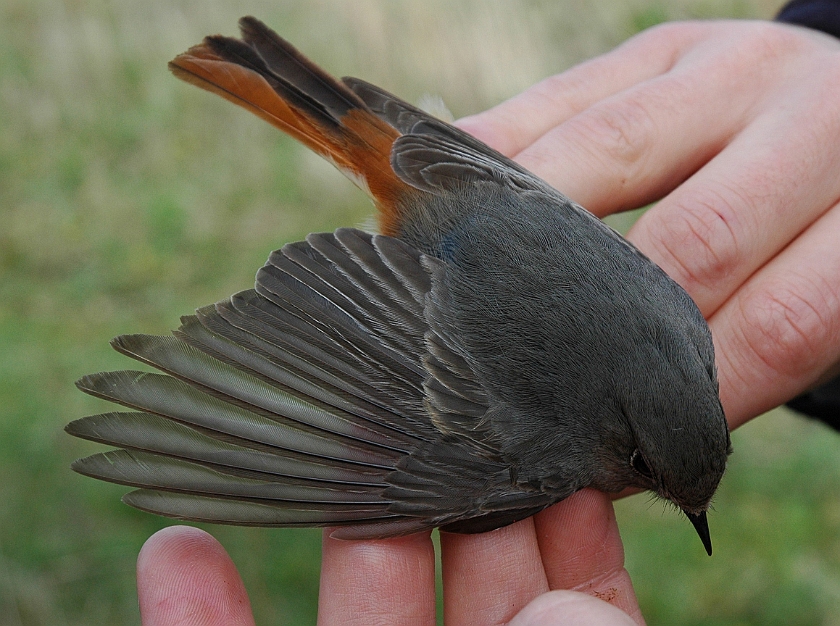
{"points": [[733, 126], [503, 577]]}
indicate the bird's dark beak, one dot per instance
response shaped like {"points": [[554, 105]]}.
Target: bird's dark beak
{"points": [[702, 528]]}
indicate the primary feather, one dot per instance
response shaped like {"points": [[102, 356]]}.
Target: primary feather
{"points": [[495, 350]]}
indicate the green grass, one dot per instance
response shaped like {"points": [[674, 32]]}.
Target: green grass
{"points": [[775, 528], [128, 199]]}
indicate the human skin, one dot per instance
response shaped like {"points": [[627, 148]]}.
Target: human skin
{"points": [[501, 577], [732, 127]]}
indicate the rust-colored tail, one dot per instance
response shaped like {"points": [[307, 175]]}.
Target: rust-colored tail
{"points": [[266, 75]]}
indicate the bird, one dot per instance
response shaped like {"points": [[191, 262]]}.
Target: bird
{"points": [[491, 350]]}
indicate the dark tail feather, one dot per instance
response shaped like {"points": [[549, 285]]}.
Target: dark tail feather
{"points": [[266, 75]]}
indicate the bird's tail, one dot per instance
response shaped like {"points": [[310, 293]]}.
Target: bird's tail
{"points": [[266, 75]]}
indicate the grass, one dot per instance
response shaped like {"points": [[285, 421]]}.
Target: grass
{"points": [[128, 199]]}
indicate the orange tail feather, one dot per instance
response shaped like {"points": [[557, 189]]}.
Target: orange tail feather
{"points": [[266, 75]]}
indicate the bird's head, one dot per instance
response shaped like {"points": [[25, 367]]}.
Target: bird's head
{"points": [[672, 437]]}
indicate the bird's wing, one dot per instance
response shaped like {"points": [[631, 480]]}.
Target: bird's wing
{"points": [[409, 120], [303, 402]]}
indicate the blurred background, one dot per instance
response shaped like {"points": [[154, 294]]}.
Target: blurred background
{"points": [[128, 198]]}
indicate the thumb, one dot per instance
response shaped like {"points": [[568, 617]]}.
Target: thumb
{"points": [[185, 577], [570, 608]]}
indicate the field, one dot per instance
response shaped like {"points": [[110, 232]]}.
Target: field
{"points": [[128, 199]]}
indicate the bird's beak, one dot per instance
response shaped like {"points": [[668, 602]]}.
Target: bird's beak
{"points": [[702, 528]]}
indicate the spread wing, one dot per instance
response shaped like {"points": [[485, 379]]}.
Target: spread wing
{"points": [[322, 397]]}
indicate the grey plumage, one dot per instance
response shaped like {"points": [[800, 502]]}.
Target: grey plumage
{"points": [[501, 351], [319, 414]]}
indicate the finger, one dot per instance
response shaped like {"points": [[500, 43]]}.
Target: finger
{"points": [[185, 577], [489, 577], [387, 581], [571, 608], [515, 124], [581, 550], [632, 148], [781, 331], [743, 207]]}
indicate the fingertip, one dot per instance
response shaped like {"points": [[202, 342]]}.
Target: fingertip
{"points": [[185, 577], [177, 541], [571, 608], [496, 135]]}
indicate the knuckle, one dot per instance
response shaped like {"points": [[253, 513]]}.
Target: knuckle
{"points": [[665, 42], [620, 133], [787, 324], [832, 71], [828, 87], [558, 89], [676, 32], [570, 92], [698, 240], [766, 44]]}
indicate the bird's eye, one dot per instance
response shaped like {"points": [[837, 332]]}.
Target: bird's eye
{"points": [[638, 463]]}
